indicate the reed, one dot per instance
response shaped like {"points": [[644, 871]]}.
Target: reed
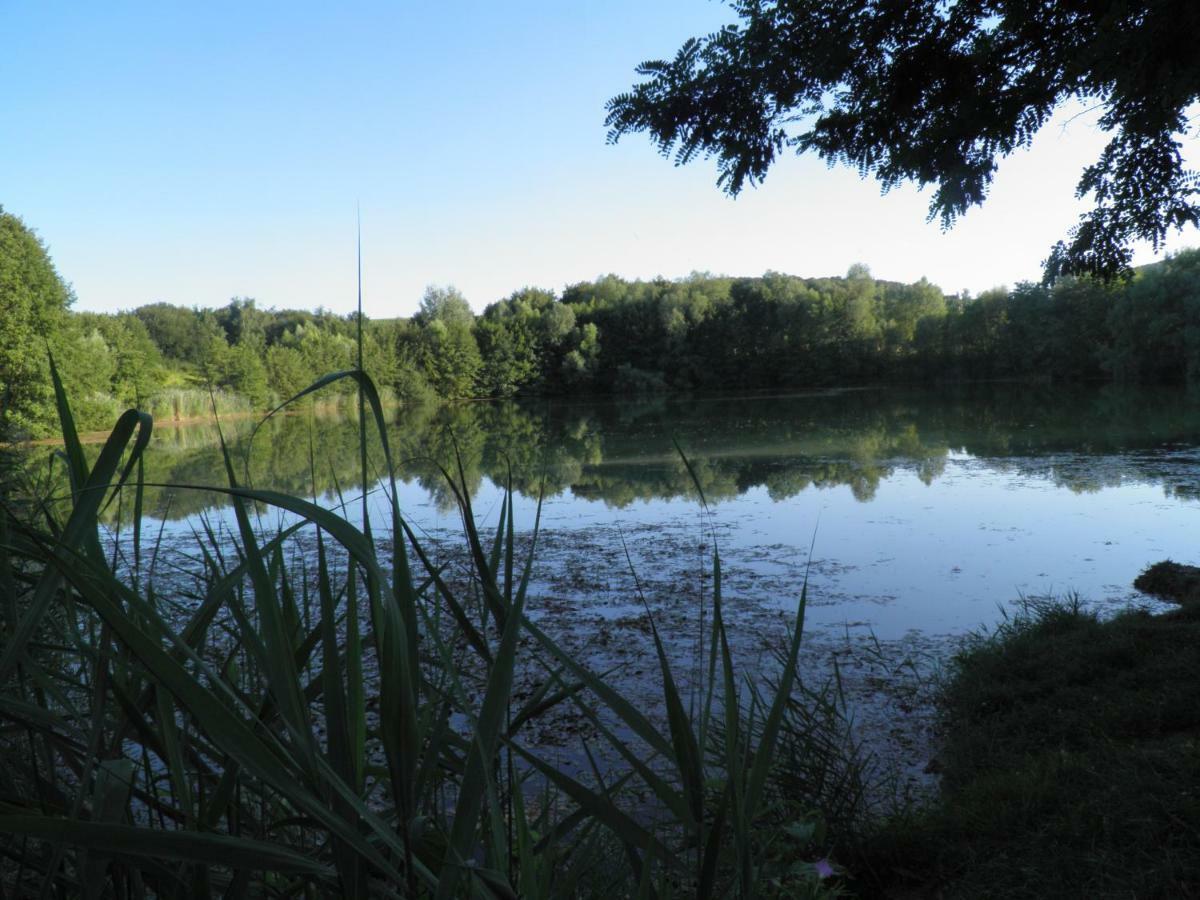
{"points": [[195, 403], [324, 713]]}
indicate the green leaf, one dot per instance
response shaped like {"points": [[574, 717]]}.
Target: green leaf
{"points": [[191, 846]]}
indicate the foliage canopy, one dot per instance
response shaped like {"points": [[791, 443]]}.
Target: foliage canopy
{"points": [[935, 92], [33, 304]]}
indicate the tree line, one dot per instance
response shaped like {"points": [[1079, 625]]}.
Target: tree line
{"points": [[607, 336]]}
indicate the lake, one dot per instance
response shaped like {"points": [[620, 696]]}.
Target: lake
{"points": [[926, 510], [928, 513]]}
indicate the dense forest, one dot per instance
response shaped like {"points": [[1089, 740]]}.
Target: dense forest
{"points": [[608, 336]]}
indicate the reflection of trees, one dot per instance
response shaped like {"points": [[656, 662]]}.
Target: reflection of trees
{"points": [[620, 453], [623, 452], [1084, 439], [278, 458]]}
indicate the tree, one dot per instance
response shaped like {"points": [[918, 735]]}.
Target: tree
{"points": [[445, 304], [450, 358], [247, 374], [286, 373], [137, 368], [522, 341], [87, 365], [580, 358], [903, 307], [325, 351], [1155, 323], [934, 92], [448, 354], [510, 357], [410, 383], [33, 312], [244, 323], [179, 333], [379, 356]]}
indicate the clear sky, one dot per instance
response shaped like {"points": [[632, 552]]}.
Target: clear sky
{"points": [[196, 152]]}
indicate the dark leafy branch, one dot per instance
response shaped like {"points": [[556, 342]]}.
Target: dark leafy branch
{"points": [[935, 93]]}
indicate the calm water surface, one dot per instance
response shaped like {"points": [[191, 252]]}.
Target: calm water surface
{"points": [[927, 510]]}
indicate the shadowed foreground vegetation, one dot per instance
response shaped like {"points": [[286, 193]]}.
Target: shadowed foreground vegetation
{"points": [[346, 723], [1070, 765], [320, 712], [326, 711]]}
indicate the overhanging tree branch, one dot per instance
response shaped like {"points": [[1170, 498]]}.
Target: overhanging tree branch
{"points": [[935, 93]]}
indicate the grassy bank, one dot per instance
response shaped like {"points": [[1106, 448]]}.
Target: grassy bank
{"points": [[1070, 765]]}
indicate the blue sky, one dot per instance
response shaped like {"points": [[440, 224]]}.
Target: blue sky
{"points": [[195, 152]]}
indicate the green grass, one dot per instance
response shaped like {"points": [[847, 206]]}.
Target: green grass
{"points": [[1071, 765], [343, 723]]}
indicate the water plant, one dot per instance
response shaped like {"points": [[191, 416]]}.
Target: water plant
{"points": [[195, 403]]}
